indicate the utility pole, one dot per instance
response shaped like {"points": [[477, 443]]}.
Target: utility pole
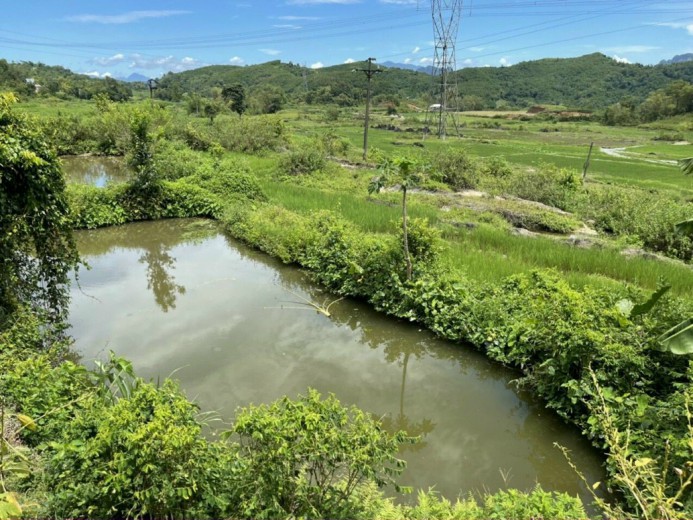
{"points": [[152, 84], [446, 21], [369, 72], [587, 164]]}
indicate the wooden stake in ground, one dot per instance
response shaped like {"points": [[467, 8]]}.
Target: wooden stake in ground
{"points": [[587, 163]]}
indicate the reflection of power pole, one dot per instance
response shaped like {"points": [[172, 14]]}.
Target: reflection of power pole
{"points": [[370, 72]]}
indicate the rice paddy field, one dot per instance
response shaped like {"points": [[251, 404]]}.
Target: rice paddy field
{"points": [[486, 248]]}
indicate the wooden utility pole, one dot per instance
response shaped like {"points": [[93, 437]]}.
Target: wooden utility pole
{"points": [[587, 164], [369, 72]]}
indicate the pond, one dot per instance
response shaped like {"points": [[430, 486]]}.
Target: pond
{"points": [[94, 170], [178, 297]]}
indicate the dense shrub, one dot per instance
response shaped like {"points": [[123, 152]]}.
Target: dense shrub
{"points": [[302, 161], [93, 207], [174, 160], [254, 135], [547, 184], [503, 505], [648, 217], [141, 457], [456, 169], [305, 458]]}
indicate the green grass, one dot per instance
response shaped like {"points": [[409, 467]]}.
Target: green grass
{"points": [[488, 253], [377, 214], [52, 107]]}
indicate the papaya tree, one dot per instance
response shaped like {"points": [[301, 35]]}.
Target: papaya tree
{"points": [[405, 173]]}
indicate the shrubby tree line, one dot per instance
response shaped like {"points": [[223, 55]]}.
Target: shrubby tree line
{"points": [[29, 79], [672, 100]]}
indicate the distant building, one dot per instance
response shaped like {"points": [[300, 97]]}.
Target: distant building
{"points": [[32, 82]]}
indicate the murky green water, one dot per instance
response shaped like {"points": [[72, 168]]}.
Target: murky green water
{"points": [[177, 296], [96, 171]]}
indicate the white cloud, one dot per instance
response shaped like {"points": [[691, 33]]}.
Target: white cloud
{"points": [[137, 61], [677, 25], [416, 49], [477, 49], [504, 62], [129, 17], [350, 60], [98, 74], [407, 60], [317, 65], [426, 61], [631, 48], [619, 59], [271, 52], [236, 60], [107, 62], [468, 62], [286, 26]]}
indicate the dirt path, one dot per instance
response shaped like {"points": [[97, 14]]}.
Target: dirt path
{"points": [[621, 153]]}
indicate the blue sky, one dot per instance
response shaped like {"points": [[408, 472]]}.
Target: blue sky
{"points": [[152, 37]]}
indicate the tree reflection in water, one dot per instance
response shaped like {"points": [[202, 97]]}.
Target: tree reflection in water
{"points": [[160, 280]]}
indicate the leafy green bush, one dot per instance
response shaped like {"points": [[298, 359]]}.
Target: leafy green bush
{"points": [[70, 134], [196, 138], [303, 161], [648, 217], [495, 167], [141, 457], [503, 505], [333, 144], [46, 393], [92, 207], [456, 169], [254, 135], [547, 184], [175, 160], [306, 458], [227, 179]]}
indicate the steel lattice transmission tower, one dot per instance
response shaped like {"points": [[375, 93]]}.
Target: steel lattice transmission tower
{"points": [[446, 22]]}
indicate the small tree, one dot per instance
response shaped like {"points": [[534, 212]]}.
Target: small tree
{"points": [[306, 458], [146, 181], [212, 108], [405, 173], [235, 97]]}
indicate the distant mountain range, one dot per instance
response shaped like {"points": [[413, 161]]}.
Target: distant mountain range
{"points": [[679, 58], [408, 66], [132, 78]]}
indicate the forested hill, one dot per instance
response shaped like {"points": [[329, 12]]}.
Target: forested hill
{"points": [[28, 79], [593, 81]]}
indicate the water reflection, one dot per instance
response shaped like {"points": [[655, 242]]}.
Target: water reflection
{"points": [[231, 343], [160, 280], [156, 239], [95, 171]]}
